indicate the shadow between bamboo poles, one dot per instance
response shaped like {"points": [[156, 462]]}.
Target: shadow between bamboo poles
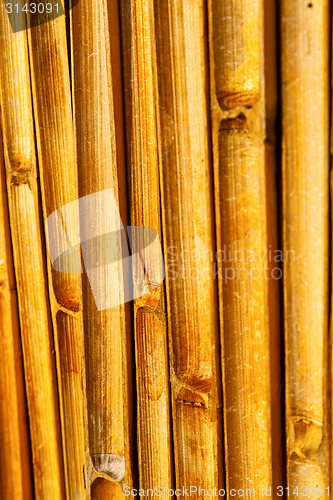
{"points": [[305, 168], [274, 240], [29, 267], [59, 187], [237, 107], [188, 240], [16, 480]]}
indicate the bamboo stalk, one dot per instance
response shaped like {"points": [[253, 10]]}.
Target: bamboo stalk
{"points": [[272, 161], [15, 468], [119, 119], [305, 164], [153, 406], [105, 326], [236, 40], [188, 241], [25, 228], [59, 185]]}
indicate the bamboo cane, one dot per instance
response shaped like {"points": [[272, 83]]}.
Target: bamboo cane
{"points": [[305, 164], [105, 327], [25, 228], [154, 441], [272, 161], [119, 119], [188, 241], [15, 468], [56, 156], [238, 149]]}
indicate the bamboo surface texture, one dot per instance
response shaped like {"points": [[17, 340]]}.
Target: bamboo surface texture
{"points": [[15, 468], [305, 112], [20, 161], [59, 187], [105, 328], [238, 150], [165, 249], [150, 327], [188, 240]]}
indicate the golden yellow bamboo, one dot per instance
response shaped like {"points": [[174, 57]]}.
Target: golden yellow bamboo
{"points": [[237, 97], [152, 378], [272, 161], [22, 192], [188, 240], [105, 326], [15, 468], [58, 172], [305, 166]]}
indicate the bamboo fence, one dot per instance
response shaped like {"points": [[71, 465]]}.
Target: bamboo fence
{"points": [[165, 249]]}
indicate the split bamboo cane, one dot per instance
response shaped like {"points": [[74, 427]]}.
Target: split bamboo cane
{"points": [[236, 40], [188, 240], [305, 166], [22, 192], [154, 440], [59, 186], [15, 468], [105, 326]]}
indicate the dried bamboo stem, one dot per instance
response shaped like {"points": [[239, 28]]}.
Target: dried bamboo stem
{"points": [[56, 155], [154, 441], [305, 164], [15, 468], [272, 161], [188, 240], [236, 57], [105, 327], [25, 227]]}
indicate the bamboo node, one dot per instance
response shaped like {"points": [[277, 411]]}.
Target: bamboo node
{"points": [[188, 397], [67, 296], [232, 100], [112, 465], [307, 436], [20, 163], [238, 123]]}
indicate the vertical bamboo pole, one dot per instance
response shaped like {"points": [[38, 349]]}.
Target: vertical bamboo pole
{"points": [[15, 468], [154, 440], [236, 41], [21, 174], [57, 166], [105, 327], [305, 164], [272, 160], [188, 240]]}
